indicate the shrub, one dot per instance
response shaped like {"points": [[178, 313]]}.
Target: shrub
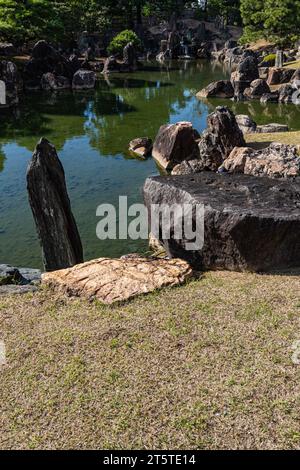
{"points": [[119, 42], [269, 59]]}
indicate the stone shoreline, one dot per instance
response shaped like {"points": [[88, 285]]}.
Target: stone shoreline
{"points": [[18, 280]]}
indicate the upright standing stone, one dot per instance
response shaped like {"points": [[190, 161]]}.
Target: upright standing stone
{"points": [[50, 204], [279, 59], [129, 56]]}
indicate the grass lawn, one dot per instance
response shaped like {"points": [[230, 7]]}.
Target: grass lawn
{"points": [[203, 366], [263, 140], [293, 65]]}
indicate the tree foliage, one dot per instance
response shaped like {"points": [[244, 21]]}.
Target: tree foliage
{"points": [[119, 42], [278, 20], [62, 20]]}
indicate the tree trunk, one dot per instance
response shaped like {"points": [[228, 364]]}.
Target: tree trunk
{"points": [[50, 205]]}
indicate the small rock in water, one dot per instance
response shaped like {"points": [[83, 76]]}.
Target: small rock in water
{"points": [[141, 146]]}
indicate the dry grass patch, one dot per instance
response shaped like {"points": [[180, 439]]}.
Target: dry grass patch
{"points": [[293, 65], [207, 365], [263, 140]]}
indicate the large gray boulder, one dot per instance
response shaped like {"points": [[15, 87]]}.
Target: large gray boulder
{"points": [[250, 223], [220, 137], [175, 143], [45, 58], [218, 89]]}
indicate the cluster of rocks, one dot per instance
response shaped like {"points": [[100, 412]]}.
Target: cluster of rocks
{"points": [[221, 147], [18, 280], [249, 81], [46, 69], [275, 161], [177, 144]]}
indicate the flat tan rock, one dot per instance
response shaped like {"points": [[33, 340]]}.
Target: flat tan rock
{"points": [[114, 280]]}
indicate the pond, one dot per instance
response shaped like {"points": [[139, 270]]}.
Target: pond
{"points": [[91, 132]]}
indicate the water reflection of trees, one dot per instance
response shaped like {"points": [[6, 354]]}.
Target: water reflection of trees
{"points": [[125, 106], [2, 158], [263, 114]]}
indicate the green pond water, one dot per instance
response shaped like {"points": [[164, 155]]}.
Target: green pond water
{"points": [[91, 132]]}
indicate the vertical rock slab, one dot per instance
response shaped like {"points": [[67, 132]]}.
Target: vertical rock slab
{"points": [[220, 138], [51, 208]]}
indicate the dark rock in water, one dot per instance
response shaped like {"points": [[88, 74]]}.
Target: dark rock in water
{"points": [[50, 81], [84, 80], [220, 137], [46, 59], [249, 223], [286, 93], [111, 65], [129, 57], [13, 84], [258, 88], [11, 276], [141, 146], [279, 75], [219, 89], [51, 209], [175, 143], [246, 72]]}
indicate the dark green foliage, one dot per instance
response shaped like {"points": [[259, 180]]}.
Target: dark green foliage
{"points": [[121, 40], [275, 20]]}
